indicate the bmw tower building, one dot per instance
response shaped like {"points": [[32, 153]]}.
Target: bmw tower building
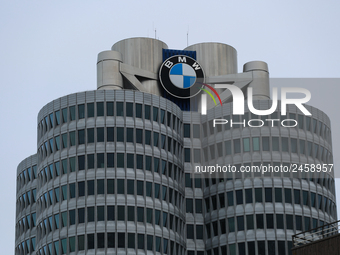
{"points": [[155, 161]]}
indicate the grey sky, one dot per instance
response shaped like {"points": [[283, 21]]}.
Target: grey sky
{"points": [[49, 49]]}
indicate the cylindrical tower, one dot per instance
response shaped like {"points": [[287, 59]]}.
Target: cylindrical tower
{"points": [[248, 211], [110, 174], [26, 225]]}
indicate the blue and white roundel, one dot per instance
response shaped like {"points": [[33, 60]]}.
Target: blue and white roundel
{"points": [[182, 75]]}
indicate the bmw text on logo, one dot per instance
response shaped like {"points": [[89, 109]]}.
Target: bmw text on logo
{"points": [[181, 76]]}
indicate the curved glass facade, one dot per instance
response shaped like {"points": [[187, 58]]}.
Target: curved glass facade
{"points": [[115, 173]]}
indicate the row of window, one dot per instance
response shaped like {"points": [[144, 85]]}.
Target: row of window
{"points": [[303, 122], [250, 248], [26, 176], [26, 247], [271, 195], [321, 178], [120, 213], [107, 240], [25, 224], [257, 221], [26, 199], [144, 137], [129, 187], [129, 110], [257, 144], [102, 160]]}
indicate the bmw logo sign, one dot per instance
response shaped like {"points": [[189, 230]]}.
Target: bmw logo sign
{"points": [[181, 76]]}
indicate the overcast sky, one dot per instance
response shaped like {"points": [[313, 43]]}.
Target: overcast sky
{"points": [[48, 49]]}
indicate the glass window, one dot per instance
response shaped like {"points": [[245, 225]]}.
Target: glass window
{"points": [[288, 196], [100, 134], [110, 134], [284, 141], [90, 135], [147, 137], [90, 241], [120, 160], [110, 240], [250, 222], [64, 115], [81, 242], [120, 109], [63, 246], [278, 195], [279, 221], [81, 215], [298, 222], [297, 196], [246, 145], [138, 111], [141, 241], [100, 213], [140, 214], [90, 214], [110, 159], [120, 186], [72, 187], [258, 195], [109, 108], [130, 187], [237, 146], [149, 242], [249, 195], [230, 198], [186, 130], [90, 110], [110, 213], [72, 217], [239, 197], [90, 187], [100, 160], [186, 154], [228, 147], [259, 221], [72, 113], [289, 221], [265, 144], [147, 112], [293, 145], [189, 205], [240, 223], [199, 206], [155, 114], [231, 224], [307, 223], [270, 221], [100, 186], [275, 144], [100, 109], [81, 111], [148, 189], [256, 144], [139, 136], [110, 186], [129, 135], [72, 138], [120, 134], [268, 195], [140, 188], [81, 189], [121, 213], [131, 240], [81, 162]]}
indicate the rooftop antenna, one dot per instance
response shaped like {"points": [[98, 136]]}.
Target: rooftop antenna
{"points": [[155, 33], [188, 37]]}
